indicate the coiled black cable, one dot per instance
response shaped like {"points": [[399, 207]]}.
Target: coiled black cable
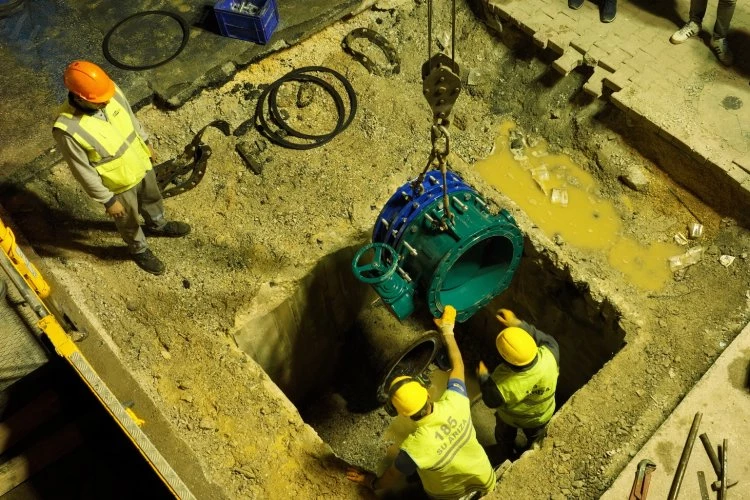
{"points": [[303, 75]]}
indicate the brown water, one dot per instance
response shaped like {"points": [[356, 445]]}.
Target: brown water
{"points": [[560, 198]]}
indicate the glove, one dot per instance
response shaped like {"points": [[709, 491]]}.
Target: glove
{"points": [[447, 321], [482, 372], [506, 317]]}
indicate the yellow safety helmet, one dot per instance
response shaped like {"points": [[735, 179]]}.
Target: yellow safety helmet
{"points": [[516, 346], [407, 395]]}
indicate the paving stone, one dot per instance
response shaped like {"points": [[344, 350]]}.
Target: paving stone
{"points": [[570, 60], [595, 84], [738, 174], [743, 163]]}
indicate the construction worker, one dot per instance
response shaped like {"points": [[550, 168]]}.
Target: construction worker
{"points": [[522, 387], [443, 450], [107, 151]]}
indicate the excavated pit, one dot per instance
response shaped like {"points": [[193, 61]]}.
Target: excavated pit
{"points": [[628, 355], [331, 345]]}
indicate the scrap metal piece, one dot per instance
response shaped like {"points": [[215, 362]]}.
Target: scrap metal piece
{"points": [[702, 485], [723, 490], [674, 490], [378, 40], [642, 480], [716, 485], [171, 175], [245, 150]]}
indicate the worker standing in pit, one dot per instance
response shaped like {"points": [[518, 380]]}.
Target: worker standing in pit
{"points": [[443, 450], [107, 151], [522, 387]]}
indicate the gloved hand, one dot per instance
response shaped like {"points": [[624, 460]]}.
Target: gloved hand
{"points": [[482, 372], [506, 317], [447, 321]]}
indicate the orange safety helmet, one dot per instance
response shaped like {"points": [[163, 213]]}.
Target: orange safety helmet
{"points": [[89, 82]]}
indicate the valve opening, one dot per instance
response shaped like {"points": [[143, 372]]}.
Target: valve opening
{"points": [[469, 282]]}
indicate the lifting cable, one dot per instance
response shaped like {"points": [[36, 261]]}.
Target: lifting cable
{"points": [[441, 85]]}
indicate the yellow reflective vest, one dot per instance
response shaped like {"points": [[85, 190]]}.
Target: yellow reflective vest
{"points": [[450, 461], [530, 394], [113, 147]]}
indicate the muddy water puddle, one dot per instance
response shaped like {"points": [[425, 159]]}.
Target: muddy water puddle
{"points": [[561, 199]]}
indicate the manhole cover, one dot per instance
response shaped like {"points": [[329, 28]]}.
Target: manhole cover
{"points": [[731, 102]]}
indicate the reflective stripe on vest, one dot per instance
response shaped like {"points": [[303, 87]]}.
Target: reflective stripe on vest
{"points": [[529, 395], [450, 461], [113, 147]]}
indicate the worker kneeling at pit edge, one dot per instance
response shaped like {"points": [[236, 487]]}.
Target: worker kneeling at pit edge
{"points": [[522, 387], [108, 153], [443, 449]]}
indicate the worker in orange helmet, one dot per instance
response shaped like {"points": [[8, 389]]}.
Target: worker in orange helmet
{"points": [[107, 151], [443, 449], [522, 387]]}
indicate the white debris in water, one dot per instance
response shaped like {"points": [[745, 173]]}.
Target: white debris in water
{"points": [[559, 197], [680, 239], [689, 258]]}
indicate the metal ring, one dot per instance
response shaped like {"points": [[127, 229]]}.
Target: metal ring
{"points": [[262, 124], [379, 41], [185, 37]]}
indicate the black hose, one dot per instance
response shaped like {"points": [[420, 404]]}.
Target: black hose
{"points": [[185, 37], [301, 75]]}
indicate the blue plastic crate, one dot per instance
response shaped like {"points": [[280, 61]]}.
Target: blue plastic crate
{"points": [[257, 26]]}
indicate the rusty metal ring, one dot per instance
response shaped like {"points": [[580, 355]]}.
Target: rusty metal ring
{"points": [[380, 42]]}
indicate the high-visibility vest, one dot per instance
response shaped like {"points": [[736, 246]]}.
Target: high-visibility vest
{"points": [[530, 394], [450, 461], [113, 147]]}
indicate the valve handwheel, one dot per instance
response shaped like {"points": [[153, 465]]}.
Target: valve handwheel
{"points": [[380, 268]]}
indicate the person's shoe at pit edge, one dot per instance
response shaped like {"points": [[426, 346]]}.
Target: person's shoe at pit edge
{"points": [[149, 262], [609, 11], [690, 29], [172, 229], [720, 47], [575, 4]]}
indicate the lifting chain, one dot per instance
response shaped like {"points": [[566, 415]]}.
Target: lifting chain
{"points": [[441, 85]]}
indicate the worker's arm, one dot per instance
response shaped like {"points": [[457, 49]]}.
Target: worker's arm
{"points": [[446, 324], [490, 393], [81, 168], [388, 480], [543, 339]]}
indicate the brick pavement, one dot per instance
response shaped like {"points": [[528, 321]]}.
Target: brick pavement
{"points": [[695, 103]]}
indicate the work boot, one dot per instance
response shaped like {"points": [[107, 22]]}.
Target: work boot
{"points": [[608, 11], [575, 4], [720, 46], [172, 229], [149, 262], [690, 29]]}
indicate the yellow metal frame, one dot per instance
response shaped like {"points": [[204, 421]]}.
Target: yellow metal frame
{"points": [[35, 288]]}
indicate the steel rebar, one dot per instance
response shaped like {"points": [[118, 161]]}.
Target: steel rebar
{"points": [[723, 490], [680, 472]]}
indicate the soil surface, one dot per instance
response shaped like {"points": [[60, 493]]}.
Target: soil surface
{"points": [[265, 232]]}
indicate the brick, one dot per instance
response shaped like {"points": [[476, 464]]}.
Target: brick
{"points": [[540, 39], [566, 63], [529, 26], [595, 84], [584, 43], [594, 55], [738, 174], [743, 163], [616, 81], [553, 11]]}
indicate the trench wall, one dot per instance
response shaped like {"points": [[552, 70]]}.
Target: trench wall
{"points": [[588, 332], [298, 340]]}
